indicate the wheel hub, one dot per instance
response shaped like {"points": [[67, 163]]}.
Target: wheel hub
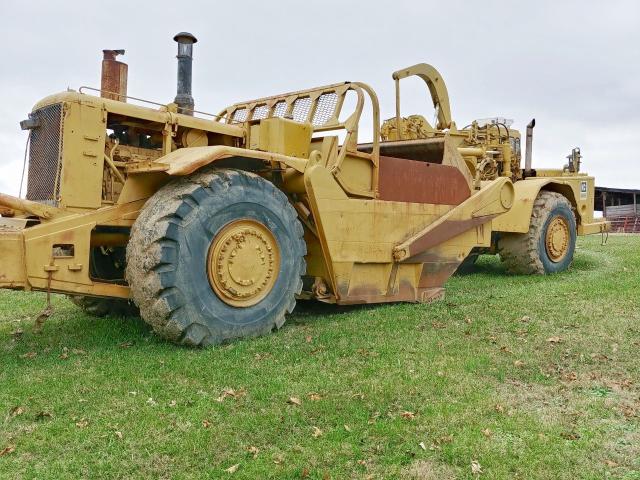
{"points": [[243, 263], [557, 239]]}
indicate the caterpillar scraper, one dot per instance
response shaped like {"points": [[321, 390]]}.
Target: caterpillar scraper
{"points": [[212, 226]]}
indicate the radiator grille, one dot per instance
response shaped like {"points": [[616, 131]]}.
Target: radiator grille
{"points": [[45, 151]]}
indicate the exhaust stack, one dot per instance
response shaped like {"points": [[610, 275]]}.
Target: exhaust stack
{"points": [[113, 82], [528, 148], [183, 99]]}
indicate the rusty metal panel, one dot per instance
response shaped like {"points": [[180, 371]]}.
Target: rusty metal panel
{"points": [[421, 182]]}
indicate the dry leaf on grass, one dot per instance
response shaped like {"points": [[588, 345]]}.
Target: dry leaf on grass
{"points": [[422, 446], [294, 401], [78, 351], [233, 468], [7, 450], [173, 403], [42, 415], [487, 433], [554, 340], [308, 339], [28, 355], [206, 423], [518, 363], [408, 415], [314, 396], [15, 411], [119, 435], [610, 463], [525, 319], [499, 408], [347, 427], [316, 432], [230, 392], [476, 468], [253, 451], [126, 344], [82, 423]]}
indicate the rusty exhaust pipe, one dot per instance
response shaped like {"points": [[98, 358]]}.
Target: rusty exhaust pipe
{"points": [[528, 148], [113, 84], [183, 99]]}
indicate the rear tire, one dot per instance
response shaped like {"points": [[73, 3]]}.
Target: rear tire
{"points": [[181, 254], [549, 244]]}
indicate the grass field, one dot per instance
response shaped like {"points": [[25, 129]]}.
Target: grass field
{"points": [[509, 377]]}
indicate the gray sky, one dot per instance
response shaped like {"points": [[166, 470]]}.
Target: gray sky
{"points": [[574, 65]]}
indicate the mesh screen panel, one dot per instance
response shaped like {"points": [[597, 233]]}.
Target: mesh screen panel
{"points": [[45, 150], [240, 115], [325, 107], [279, 109], [301, 109], [260, 112]]}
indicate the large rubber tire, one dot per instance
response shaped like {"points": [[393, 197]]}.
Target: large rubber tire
{"points": [[100, 307], [526, 253], [167, 257]]}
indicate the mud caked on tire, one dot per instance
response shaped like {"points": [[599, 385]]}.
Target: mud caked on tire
{"points": [[216, 256], [549, 244]]}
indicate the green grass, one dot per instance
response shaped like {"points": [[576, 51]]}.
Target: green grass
{"points": [[481, 375]]}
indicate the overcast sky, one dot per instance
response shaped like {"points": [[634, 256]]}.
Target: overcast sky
{"points": [[574, 66]]}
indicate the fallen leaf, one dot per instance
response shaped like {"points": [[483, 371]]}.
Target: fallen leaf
{"points": [[308, 338], [444, 439], [499, 408], [362, 462], [476, 468], [408, 415], [253, 451], [7, 450], [505, 349], [65, 354], [82, 423], [468, 320], [316, 432], [525, 319], [172, 403], [610, 463], [206, 423], [78, 351], [438, 325], [304, 473], [17, 333], [151, 401], [230, 392], [233, 468], [126, 344], [554, 340], [487, 433], [314, 396], [570, 377], [28, 355], [294, 401], [279, 459], [119, 435], [570, 435], [15, 411], [347, 427], [518, 363], [42, 415], [422, 446]]}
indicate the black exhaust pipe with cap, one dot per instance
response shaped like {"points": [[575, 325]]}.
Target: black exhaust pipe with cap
{"points": [[183, 99]]}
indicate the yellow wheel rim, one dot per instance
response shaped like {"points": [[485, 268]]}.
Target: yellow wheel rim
{"points": [[243, 263], [557, 239]]}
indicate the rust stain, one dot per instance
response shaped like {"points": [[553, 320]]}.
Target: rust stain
{"points": [[412, 181]]}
